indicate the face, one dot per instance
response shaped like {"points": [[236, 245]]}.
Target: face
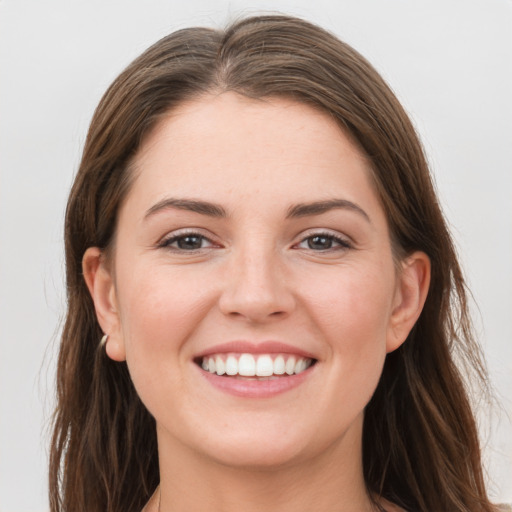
{"points": [[252, 288]]}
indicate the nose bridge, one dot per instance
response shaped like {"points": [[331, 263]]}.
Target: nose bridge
{"points": [[256, 286]]}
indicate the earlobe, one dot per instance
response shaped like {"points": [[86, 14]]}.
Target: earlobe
{"points": [[100, 283], [411, 293]]}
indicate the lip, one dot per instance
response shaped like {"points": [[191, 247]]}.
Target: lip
{"points": [[253, 388], [263, 347], [248, 388]]}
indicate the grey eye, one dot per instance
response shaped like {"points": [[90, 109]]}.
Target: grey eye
{"points": [[324, 242], [189, 242], [320, 242]]}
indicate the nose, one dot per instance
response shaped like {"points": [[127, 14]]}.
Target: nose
{"points": [[256, 287]]}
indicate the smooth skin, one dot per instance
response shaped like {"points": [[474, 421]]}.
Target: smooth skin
{"points": [[255, 262]]}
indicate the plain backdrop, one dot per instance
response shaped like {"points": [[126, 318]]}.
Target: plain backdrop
{"points": [[450, 63]]}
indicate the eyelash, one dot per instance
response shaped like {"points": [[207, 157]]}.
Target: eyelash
{"points": [[343, 244], [167, 243]]}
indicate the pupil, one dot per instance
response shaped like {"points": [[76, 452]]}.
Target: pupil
{"points": [[190, 242], [319, 242]]}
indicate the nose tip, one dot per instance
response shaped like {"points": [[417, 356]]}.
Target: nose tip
{"points": [[257, 291], [254, 308]]}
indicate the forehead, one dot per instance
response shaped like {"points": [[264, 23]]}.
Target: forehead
{"points": [[237, 149]]}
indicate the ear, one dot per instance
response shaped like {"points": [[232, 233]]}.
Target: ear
{"points": [[411, 292], [100, 283]]}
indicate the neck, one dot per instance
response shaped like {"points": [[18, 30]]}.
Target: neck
{"points": [[327, 482]]}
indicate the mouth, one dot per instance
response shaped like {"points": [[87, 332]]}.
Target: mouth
{"points": [[258, 367], [255, 370]]}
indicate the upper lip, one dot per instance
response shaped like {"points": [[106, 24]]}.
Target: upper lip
{"points": [[261, 347]]}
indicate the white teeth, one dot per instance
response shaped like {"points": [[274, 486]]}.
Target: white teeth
{"points": [[249, 365], [279, 365], [220, 366], [264, 366], [231, 365], [300, 366], [290, 365]]}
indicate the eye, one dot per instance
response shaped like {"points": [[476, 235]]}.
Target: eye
{"points": [[324, 242], [186, 242]]}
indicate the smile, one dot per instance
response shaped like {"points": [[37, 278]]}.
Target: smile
{"points": [[259, 366]]}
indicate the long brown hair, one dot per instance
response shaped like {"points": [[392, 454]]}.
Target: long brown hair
{"points": [[420, 442]]}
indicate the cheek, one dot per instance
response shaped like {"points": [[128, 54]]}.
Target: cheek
{"points": [[159, 312], [355, 304], [353, 316]]}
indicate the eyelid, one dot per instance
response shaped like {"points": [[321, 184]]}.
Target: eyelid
{"points": [[166, 241], [344, 242]]}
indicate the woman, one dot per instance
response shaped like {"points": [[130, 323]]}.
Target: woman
{"points": [[254, 236]]}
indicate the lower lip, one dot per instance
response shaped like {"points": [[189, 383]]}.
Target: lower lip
{"points": [[249, 388]]}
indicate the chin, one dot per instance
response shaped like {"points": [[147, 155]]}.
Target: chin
{"points": [[258, 456], [266, 447]]}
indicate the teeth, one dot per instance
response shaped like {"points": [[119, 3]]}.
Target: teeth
{"points": [[290, 365], [220, 366], [231, 365], [264, 366], [300, 366], [249, 365], [279, 365]]}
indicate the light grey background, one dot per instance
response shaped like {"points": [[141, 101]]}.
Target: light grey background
{"points": [[449, 61]]}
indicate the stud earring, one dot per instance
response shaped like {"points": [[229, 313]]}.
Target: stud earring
{"points": [[103, 341]]}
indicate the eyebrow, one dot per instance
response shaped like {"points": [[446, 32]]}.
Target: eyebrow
{"points": [[295, 211], [191, 205], [319, 207]]}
